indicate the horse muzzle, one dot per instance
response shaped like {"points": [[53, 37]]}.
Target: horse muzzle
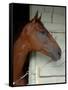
{"points": [[56, 55]]}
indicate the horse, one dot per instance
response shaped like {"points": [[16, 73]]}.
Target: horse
{"points": [[34, 37]]}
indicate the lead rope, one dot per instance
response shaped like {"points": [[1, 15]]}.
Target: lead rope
{"points": [[21, 77]]}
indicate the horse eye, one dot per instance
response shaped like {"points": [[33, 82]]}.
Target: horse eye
{"points": [[43, 32]]}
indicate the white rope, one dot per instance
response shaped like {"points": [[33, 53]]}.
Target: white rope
{"points": [[21, 77]]}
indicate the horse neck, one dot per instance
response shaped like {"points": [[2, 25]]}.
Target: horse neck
{"points": [[20, 52]]}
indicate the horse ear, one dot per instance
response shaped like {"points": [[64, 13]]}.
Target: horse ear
{"points": [[40, 17], [36, 15]]}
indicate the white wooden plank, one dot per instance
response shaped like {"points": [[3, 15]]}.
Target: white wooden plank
{"points": [[51, 80], [53, 69], [59, 10], [59, 15], [32, 69], [58, 19], [55, 27]]}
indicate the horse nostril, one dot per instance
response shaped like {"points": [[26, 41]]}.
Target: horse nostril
{"points": [[59, 53]]}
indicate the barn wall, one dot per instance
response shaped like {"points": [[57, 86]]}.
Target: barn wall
{"points": [[42, 69]]}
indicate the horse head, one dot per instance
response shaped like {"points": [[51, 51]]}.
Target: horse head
{"points": [[40, 39]]}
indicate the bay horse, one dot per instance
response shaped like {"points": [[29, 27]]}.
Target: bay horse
{"points": [[34, 37]]}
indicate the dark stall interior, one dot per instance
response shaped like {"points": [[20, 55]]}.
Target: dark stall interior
{"points": [[18, 17]]}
